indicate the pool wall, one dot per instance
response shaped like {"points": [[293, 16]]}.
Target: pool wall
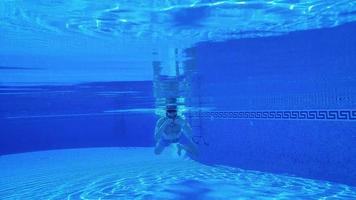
{"points": [[282, 104], [35, 118], [309, 73]]}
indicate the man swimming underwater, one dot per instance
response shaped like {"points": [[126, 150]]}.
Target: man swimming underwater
{"points": [[170, 130]]}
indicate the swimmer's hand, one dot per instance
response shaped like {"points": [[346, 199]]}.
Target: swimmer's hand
{"points": [[161, 126]]}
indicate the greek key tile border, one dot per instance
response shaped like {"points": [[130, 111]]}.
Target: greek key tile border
{"points": [[343, 115]]}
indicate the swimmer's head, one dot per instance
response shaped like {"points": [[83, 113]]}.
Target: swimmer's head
{"points": [[171, 111]]}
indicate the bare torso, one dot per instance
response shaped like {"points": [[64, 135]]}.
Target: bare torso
{"points": [[172, 130]]}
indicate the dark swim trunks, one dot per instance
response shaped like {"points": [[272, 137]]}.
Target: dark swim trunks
{"points": [[164, 142]]}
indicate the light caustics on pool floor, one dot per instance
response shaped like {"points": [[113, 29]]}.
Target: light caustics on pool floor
{"points": [[136, 173]]}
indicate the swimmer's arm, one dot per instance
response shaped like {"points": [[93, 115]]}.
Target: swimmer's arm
{"points": [[187, 130], [160, 125]]}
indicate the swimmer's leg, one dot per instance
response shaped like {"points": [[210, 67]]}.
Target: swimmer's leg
{"points": [[160, 145], [179, 149], [189, 148]]}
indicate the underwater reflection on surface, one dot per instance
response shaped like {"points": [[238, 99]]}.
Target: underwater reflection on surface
{"points": [[136, 173]]}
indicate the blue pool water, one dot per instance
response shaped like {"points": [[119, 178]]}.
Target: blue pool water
{"points": [[267, 87]]}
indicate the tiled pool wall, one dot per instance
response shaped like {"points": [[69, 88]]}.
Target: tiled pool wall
{"points": [[282, 104]]}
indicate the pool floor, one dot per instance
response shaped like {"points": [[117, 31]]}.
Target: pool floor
{"points": [[136, 173]]}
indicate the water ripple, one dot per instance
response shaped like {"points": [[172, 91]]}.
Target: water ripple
{"points": [[189, 20]]}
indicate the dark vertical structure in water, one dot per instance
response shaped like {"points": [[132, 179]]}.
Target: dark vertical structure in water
{"points": [[283, 104]]}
